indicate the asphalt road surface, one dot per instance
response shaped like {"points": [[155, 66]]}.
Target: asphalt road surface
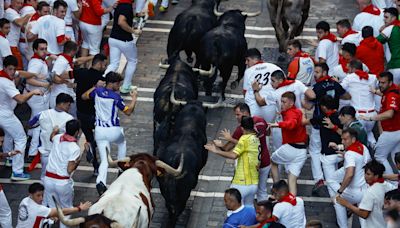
{"points": [[205, 207]]}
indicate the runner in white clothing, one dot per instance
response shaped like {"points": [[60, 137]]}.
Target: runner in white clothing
{"points": [[347, 34], [5, 49], [14, 131], [46, 121], [261, 72], [32, 213], [328, 46], [38, 65], [52, 28], [369, 15], [63, 77], [108, 129], [359, 85], [348, 182], [29, 7]]}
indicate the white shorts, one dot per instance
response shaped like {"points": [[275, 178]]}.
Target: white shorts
{"points": [[291, 157], [91, 35]]}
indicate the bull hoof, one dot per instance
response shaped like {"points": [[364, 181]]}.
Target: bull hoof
{"points": [[234, 84], [189, 59]]}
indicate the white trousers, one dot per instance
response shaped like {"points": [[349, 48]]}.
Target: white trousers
{"points": [[263, 174], [292, 158], [44, 159], [37, 104], [388, 143], [129, 50], [396, 75], [368, 126], [26, 52], [329, 165], [62, 190], [268, 112], [315, 151], [69, 31], [14, 139], [104, 136], [353, 195], [248, 192], [91, 35], [5, 212]]}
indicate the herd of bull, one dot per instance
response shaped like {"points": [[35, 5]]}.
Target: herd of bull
{"points": [[218, 42]]}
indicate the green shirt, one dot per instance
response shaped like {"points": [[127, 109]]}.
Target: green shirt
{"points": [[361, 133], [247, 149], [391, 35]]}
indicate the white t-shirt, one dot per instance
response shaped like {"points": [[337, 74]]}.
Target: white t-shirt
{"points": [[11, 15], [31, 214], [298, 88], [49, 27], [361, 96], [262, 73], [40, 68], [352, 38], [290, 216], [60, 66], [5, 50], [329, 51], [48, 120], [7, 92], [340, 74], [383, 3], [366, 19], [354, 159], [61, 154], [372, 201]]}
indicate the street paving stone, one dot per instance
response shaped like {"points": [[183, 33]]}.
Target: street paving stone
{"points": [[200, 211]]}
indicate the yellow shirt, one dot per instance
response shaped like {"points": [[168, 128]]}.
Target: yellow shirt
{"points": [[247, 149]]}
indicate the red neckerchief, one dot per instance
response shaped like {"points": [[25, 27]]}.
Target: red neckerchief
{"points": [[125, 1], [379, 180], [67, 138], [331, 112], [371, 9], [356, 147], [362, 74], [35, 17], [392, 88], [70, 62], [2, 34], [395, 23], [259, 62], [351, 31], [36, 56], [3, 74], [330, 37], [26, 4], [285, 83], [301, 54], [289, 198], [323, 78], [343, 62]]}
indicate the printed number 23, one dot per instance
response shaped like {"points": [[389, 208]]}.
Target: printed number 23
{"points": [[265, 78]]}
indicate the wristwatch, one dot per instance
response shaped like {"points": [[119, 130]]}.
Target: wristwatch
{"points": [[338, 191]]}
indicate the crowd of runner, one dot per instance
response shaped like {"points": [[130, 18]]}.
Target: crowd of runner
{"points": [[342, 107]]}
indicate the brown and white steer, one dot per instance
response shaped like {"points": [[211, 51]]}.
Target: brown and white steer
{"points": [[127, 202]]}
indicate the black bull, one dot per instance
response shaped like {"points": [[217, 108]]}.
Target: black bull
{"points": [[181, 78], [188, 139], [189, 26], [224, 47]]}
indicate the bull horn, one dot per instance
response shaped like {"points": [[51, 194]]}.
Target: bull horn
{"points": [[113, 163], [136, 223], [213, 105], [254, 14], [169, 169], [218, 14], [163, 65], [205, 72], [66, 221], [174, 101]]}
